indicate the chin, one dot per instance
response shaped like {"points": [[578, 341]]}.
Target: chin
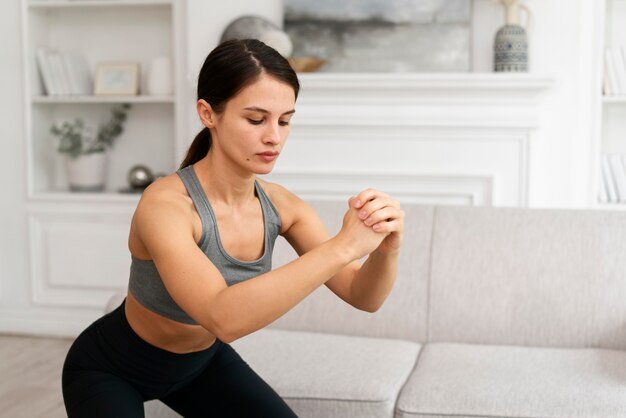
{"points": [[262, 169]]}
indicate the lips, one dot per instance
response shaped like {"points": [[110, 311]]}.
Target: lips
{"points": [[268, 156]]}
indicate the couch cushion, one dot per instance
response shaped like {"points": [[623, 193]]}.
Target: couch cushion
{"points": [[323, 375], [464, 380], [403, 316], [157, 409], [531, 277]]}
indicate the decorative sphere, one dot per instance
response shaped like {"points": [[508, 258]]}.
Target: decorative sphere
{"points": [[257, 27], [140, 176]]}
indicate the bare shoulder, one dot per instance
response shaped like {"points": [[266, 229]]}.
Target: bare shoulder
{"points": [[290, 207], [166, 191], [164, 202]]}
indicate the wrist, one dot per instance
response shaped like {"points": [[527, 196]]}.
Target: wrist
{"points": [[342, 248], [388, 253]]}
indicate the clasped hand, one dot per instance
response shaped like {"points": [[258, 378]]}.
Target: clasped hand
{"points": [[375, 221]]}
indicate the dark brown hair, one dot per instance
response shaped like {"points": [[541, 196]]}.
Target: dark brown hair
{"points": [[230, 67]]}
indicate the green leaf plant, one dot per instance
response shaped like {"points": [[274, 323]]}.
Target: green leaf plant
{"points": [[76, 138]]}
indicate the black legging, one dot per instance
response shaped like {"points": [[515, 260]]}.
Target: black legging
{"points": [[110, 372]]}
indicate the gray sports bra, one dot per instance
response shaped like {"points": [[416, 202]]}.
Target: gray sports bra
{"points": [[145, 282]]}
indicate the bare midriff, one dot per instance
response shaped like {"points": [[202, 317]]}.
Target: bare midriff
{"points": [[165, 333]]}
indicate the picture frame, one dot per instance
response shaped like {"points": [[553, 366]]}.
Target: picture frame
{"points": [[117, 78]]}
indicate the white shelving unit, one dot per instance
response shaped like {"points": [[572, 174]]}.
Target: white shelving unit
{"points": [[100, 30], [73, 233], [610, 113]]}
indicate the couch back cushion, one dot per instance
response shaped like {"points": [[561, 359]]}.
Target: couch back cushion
{"points": [[528, 277], [404, 313]]}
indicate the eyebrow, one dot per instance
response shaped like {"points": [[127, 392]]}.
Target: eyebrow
{"points": [[259, 109]]}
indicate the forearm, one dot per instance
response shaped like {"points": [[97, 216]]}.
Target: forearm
{"points": [[251, 305], [374, 280]]}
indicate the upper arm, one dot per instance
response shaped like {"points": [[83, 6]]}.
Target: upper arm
{"points": [[305, 231], [164, 226]]}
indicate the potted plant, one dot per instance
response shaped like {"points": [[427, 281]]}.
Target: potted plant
{"points": [[86, 150]]}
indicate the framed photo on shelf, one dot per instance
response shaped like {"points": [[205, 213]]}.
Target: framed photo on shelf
{"points": [[117, 78]]}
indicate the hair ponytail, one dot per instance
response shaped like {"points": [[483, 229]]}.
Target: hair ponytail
{"points": [[198, 148]]}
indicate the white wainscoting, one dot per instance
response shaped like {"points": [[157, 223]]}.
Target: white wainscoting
{"points": [[431, 138], [79, 256]]}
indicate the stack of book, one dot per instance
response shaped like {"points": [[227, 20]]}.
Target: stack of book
{"points": [[613, 179], [64, 74], [615, 71]]}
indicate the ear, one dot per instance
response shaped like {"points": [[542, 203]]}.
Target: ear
{"points": [[206, 113]]}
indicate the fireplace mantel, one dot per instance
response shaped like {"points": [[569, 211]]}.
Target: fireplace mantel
{"points": [[432, 138], [472, 86]]}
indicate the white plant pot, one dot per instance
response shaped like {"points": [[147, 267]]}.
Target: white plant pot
{"points": [[88, 172]]}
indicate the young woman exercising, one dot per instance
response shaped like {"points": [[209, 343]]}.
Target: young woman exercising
{"points": [[201, 243]]}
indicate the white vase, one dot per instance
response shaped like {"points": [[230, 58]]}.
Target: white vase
{"points": [[87, 172], [159, 82]]}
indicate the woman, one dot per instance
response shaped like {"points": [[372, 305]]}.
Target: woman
{"points": [[201, 242]]}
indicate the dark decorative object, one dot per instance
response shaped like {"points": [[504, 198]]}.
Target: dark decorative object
{"points": [[511, 43], [139, 177]]}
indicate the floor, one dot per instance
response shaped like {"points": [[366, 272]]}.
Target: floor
{"points": [[30, 376]]}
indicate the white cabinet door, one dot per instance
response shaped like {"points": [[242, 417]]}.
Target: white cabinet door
{"points": [[79, 258]]}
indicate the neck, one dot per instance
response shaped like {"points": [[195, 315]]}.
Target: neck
{"points": [[222, 183]]}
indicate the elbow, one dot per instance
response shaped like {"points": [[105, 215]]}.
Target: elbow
{"points": [[369, 308], [221, 328], [223, 334], [226, 338]]}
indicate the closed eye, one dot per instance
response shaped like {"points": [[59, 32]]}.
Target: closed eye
{"points": [[255, 121]]}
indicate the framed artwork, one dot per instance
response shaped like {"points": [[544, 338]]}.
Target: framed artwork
{"points": [[117, 78], [382, 36]]}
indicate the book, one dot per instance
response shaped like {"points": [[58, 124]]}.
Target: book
{"points": [[619, 176], [603, 196], [620, 69], [59, 73], [45, 70], [607, 86], [82, 73], [608, 179], [609, 67], [72, 79]]}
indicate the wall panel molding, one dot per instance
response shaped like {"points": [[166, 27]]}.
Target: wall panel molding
{"points": [[70, 268], [406, 187], [436, 126]]}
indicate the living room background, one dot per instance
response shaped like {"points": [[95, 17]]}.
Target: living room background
{"points": [[547, 123]]}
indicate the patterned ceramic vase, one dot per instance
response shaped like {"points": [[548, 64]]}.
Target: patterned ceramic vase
{"points": [[511, 49]]}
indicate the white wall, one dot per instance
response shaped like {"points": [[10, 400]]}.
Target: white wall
{"points": [[13, 232], [560, 42]]}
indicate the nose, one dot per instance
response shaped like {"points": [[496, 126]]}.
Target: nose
{"points": [[272, 134]]}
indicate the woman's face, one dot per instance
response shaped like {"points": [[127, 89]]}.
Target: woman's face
{"points": [[253, 128]]}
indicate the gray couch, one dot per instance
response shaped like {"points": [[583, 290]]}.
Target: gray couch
{"points": [[497, 312]]}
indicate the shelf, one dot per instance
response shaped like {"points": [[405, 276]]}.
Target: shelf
{"points": [[611, 206], [101, 197], [419, 89], [43, 4], [429, 81], [614, 99], [102, 99]]}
